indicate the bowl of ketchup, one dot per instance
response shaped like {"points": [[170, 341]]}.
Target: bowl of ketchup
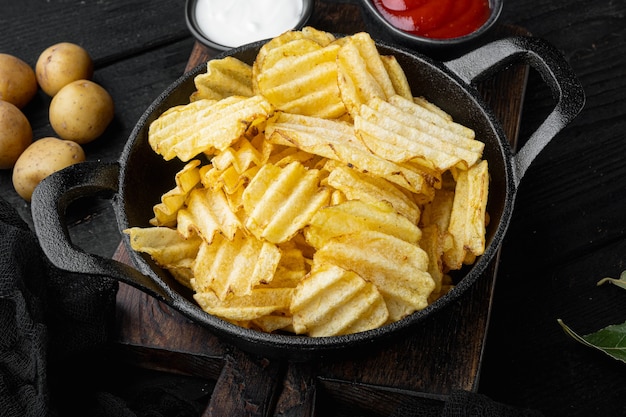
{"points": [[434, 25]]}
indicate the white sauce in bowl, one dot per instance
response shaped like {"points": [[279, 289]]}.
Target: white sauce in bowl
{"points": [[237, 22]]}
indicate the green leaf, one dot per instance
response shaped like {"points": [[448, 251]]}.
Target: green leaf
{"points": [[621, 282], [610, 340]]}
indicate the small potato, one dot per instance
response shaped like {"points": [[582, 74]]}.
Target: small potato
{"points": [[81, 111], [60, 64], [42, 158], [15, 134], [18, 83]]}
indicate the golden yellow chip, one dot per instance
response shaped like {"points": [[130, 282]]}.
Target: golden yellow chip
{"points": [[182, 272], [467, 220], [234, 266], [206, 126], [357, 185], [431, 243], [332, 301], [357, 216], [436, 218], [429, 112], [319, 36], [438, 112], [446, 286], [308, 33], [243, 153], [336, 140], [207, 212], [399, 147], [439, 210], [398, 136], [303, 83], [280, 201], [168, 248], [224, 78], [363, 75], [166, 245], [290, 154], [337, 197], [259, 302], [278, 53], [291, 268], [233, 184], [397, 76], [229, 180], [272, 323], [426, 169], [397, 268], [166, 211]]}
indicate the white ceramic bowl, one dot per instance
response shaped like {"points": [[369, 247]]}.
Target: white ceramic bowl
{"points": [[225, 24]]}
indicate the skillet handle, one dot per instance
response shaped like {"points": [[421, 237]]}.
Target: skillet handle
{"points": [[555, 72], [49, 203]]}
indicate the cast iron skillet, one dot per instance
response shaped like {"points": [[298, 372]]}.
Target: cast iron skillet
{"points": [[136, 182]]}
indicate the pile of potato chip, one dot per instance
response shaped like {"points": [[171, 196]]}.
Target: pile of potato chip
{"points": [[330, 200]]}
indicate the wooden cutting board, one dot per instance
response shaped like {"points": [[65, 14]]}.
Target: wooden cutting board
{"points": [[440, 355]]}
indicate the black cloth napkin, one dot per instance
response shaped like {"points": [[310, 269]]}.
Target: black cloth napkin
{"points": [[54, 325]]}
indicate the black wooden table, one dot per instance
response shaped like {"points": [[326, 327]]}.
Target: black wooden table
{"points": [[569, 224]]}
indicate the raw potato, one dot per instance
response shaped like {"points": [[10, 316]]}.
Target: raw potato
{"points": [[81, 111], [18, 83], [42, 158], [15, 134], [60, 64]]}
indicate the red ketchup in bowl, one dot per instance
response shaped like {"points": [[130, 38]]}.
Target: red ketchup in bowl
{"points": [[438, 19]]}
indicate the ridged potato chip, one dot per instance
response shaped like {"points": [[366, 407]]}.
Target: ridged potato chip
{"points": [[396, 267], [166, 211], [167, 248], [428, 111], [272, 323], [290, 154], [292, 267], [431, 243], [164, 244], [280, 201], [207, 212], [363, 75], [356, 216], [332, 301], [468, 216], [336, 140], [397, 76], [307, 33], [229, 180], [243, 153], [223, 78], [258, 303], [206, 126], [275, 55], [356, 185], [304, 83], [234, 266], [401, 136]]}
